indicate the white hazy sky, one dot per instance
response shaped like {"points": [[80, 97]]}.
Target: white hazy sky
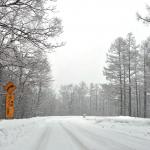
{"points": [[90, 26]]}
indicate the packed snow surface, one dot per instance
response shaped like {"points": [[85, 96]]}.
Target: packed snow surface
{"points": [[75, 133]]}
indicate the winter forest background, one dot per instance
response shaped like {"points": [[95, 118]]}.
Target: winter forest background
{"points": [[29, 30]]}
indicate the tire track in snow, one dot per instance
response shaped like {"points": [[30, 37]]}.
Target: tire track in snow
{"points": [[101, 140], [130, 142], [43, 139], [74, 138]]}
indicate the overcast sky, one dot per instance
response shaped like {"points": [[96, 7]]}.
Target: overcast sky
{"points": [[90, 26]]}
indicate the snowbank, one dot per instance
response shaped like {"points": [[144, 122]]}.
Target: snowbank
{"points": [[134, 126], [13, 130]]}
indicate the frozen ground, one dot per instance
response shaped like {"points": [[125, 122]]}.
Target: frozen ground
{"points": [[75, 133]]}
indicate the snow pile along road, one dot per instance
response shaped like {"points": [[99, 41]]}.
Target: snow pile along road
{"points": [[75, 133], [138, 127], [16, 131]]}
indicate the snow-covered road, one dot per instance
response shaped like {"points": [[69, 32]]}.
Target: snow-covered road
{"points": [[71, 133]]}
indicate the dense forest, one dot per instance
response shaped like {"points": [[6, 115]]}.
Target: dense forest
{"points": [[28, 30]]}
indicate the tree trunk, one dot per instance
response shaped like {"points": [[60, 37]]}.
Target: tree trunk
{"points": [[137, 101], [120, 80], [124, 82], [38, 98], [96, 99], [90, 101], [145, 86], [2, 97], [140, 114], [129, 77]]}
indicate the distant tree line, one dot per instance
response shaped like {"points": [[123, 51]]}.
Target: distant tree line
{"points": [[79, 99]]}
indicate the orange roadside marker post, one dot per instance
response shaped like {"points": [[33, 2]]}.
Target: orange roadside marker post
{"points": [[10, 97], [10, 106]]}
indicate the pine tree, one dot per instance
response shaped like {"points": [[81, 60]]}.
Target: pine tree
{"points": [[114, 69]]}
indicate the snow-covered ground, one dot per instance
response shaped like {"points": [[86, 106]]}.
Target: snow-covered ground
{"points": [[138, 127], [75, 133]]}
